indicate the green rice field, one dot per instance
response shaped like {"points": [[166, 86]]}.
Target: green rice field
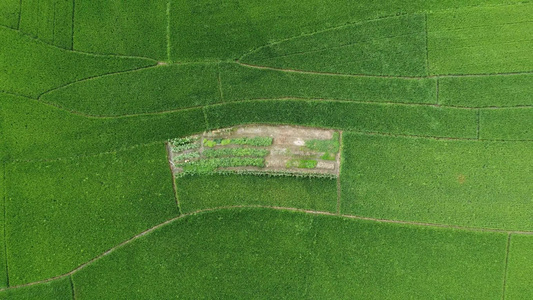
{"points": [[429, 109]]}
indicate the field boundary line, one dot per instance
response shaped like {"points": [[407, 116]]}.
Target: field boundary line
{"points": [[207, 210], [5, 221], [73, 24], [220, 83], [507, 248], [339, 161], [427, 44], [94, 78], [170, 166], [204, 110], [72, 287], [437, 89], [168, 30], [20, 15]]}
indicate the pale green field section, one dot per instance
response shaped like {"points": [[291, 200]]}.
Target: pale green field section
{"points": [[149, 90], [390, 46], [135, 27], [463, 183], [519, 283], [244, 83], [63, 213], [481, 40], [32, 67], [507, 124], [487, 91]]}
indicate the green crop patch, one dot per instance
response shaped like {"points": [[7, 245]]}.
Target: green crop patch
{"points": [[384, 118], [244, 83], [40, 67], [209, 191], [242, 254], [34, 130], [157, 89], [390, 46], [481, 40], [49, 21], [137, 28], [519, 283], [487, 91], [58, 289], [465, 183], [63, 213], [9, 13], [3, 188], [506, 124]]}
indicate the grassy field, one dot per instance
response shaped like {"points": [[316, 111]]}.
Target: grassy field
{"points": [[202, 192], [60, 289], [466, 183], [267, 254], [62, 213], [433, 99], [245, 83], [519, 271], [147, 90]]}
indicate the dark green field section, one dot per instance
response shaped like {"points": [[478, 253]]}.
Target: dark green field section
{"points": [[390, 46], [384, 118], [487, 91], [59, 289], [9, 13], [481, 40], [148, 90], [244, 83], [135, 27], [63, 213], [266, 254], [48, 20], [31, 67], [3, 267], [207, 29], [507, 124], [519, 283], [465, 183], [202, 192], [38, 131]]}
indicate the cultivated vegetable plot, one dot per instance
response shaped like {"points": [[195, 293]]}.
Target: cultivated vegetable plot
{"points": [[282, 150]]}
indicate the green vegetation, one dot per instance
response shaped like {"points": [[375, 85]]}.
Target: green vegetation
{"points": [[245, 83], [389, 46], [9, 13], [59, 289], [465, 183], [486, 91], [331, 145], [187, 156], [3, 267], [259, 141], [202, 192], [152, 90], [506, 124], [269, 254], [34, 130], [235, 152], [63, 213], [40, 67], [209, 166], [386, 118], [207, 29], [50, 21], [302, 163], [135, 27], [520, 268], [481, 40]]}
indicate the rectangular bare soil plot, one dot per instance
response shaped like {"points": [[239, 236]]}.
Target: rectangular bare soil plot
{"points": [[258, 149]]}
